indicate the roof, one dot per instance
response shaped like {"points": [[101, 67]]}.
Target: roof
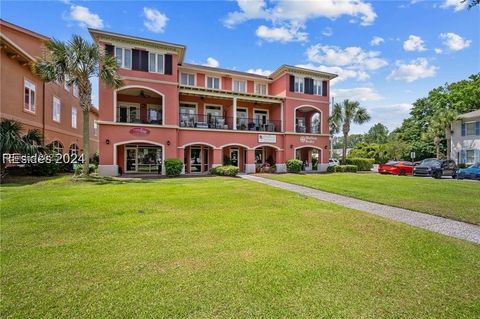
{"points": [[13, 49], [469, 115], [105, 36], [304, 71], [228, 71], [22, 29]]}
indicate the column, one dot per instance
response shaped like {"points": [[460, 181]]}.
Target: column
{"points": [[217, 157], [250, 162], [234, 113]]}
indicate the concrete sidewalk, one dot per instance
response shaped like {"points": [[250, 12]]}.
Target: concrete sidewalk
{"points": [[436, 224]]}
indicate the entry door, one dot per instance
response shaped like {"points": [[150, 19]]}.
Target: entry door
{"points": [[195, 160], [131, 159], [234, 156]]}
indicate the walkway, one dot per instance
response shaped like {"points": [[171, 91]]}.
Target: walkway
{"points": [[436, 224]]}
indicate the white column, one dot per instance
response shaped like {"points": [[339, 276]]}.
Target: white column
{"points": [[281, 116], [234, 113]]}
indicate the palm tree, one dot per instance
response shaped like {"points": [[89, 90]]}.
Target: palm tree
{"points": [[12, 141], [75, 62], [343, 114]]}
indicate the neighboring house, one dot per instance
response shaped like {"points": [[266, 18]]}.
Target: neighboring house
{"points": [[53, 108], [465, 138], [338, 152], [206, 116]]}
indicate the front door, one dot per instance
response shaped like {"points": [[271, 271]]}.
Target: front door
{"points": [[131, 159], [234, 156]]}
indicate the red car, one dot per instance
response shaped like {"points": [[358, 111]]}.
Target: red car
{"points": [[396, 168]]}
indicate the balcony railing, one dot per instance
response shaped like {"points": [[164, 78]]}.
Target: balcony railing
{"points": [[208, 121], [312, 129], [140, 121]]}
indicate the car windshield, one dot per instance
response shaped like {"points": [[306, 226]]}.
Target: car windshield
{"points": [[405, 163], [392, 162], [430, 162]]}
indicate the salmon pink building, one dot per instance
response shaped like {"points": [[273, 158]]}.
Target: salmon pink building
{"points": [[207, 116]]}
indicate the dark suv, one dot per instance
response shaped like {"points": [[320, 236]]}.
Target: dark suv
{"points": [[436, 168]]}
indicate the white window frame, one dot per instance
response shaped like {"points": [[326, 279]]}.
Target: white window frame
{"points": [[261, 110], [76, 149], [213, 78], [57, 146], [31, 108], [299, 86], [474, 129], [128, 105], [74, 116], [56, 116], [188, 75], [317, 87], [263, 84], [75, 90], [234, 89], [156, 67], [122, 62]]}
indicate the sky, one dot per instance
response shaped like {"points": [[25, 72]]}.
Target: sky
{"points": [[387, 53]]}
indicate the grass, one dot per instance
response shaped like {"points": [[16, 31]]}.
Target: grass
{"points": [[219, 248], [453, 199]]}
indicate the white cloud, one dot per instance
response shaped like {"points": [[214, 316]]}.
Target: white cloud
{"points": [[281, 34], [414, 43], [328, 32], [414, 70], [377, 41], [260, 72], [212, 63], [390, 115], [458, 5], [438, 50], [343, 73], [351, 56], [361, 94], [155, 21], [454, 42], [85, 18]]}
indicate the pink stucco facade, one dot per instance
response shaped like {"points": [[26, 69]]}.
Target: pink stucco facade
{"points": [[191, 112]]}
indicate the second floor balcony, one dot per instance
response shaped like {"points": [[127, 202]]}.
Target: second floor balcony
{"points": [[212, 121]]}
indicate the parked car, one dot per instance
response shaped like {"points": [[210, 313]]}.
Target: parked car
{"points": [[436, 168], [396, 168], [471, 172], [333, 162]]}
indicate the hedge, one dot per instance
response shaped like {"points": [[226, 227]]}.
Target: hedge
{"points": [[173, 167], [294, 166], [226, 170], [363, 164], [342, 169]]}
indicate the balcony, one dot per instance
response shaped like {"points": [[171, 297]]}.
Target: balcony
{"points": [[208, 121], [312, 129], [139, 106]]}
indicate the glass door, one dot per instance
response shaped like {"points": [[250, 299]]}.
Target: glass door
{"points": [[234, 156], [195, 160], [131, 159]]}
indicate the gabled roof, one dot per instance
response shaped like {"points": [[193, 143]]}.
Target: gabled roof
{"points": [[470, 115], [22, 29], [98, 35]]}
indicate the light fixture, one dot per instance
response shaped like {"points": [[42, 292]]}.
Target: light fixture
{"points": [[291, 145], [168, 143], [326, 146], [107, 141]]}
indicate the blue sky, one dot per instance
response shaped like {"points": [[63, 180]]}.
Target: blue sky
{"points": [[387, 53]]}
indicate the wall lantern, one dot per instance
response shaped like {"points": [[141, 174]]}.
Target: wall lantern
{"points": [[291, 145], [168, 143], [107, 141], [326, 146]]}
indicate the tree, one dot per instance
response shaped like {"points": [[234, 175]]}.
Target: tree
{"points": [[12, 141], [75, 62], [377, 134], [343, 114], [472, 3]]}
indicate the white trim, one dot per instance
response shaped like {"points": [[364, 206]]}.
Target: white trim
{"points": [[115, 146], [255, 87], [156, 62], [234, 144], [115, 92], [209, 104], [295, 118], [76, 116], [198, 143], [269, 145], [123, 48], [263, 110], [187, 73], [308, 100], [31, 83], [59, 110], [215, 77], [244, 82]]}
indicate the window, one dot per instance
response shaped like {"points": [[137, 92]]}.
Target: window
{"points": [[74, 117], [75, 89], [128, 113], [73, 150], [260, 117], [57, 147], [188, 115], [299, 84], [29, 100], [239, 86], [154, 114], [261, 89], [317, 87], [124, 57], [470, 128], [156, 63], [242, 121], [95, 128], [56, 109], [213, 82], [187, 79], [470, 156]]}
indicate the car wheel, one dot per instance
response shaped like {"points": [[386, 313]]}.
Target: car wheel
{"points": [[437, 174], [402, 173]]}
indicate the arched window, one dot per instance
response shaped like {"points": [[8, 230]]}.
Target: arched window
{"points": [[57, 147], [73, 149]]}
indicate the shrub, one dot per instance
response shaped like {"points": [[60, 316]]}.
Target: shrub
{"points": [[226, 170], [342, 169], [45, 168], [78, 169], [173, 167], [363, 164], [294, 166]]}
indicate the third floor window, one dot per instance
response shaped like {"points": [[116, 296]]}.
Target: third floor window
{"points": [[239, 86], [213, 82], [261, 89], [156, 63], [299, 84], [124, 57], [187, 79]]}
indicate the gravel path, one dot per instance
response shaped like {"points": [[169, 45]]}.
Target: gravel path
{"points": [[436, 224]]}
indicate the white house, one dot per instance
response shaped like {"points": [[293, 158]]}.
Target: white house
{"points": [[465, 138]]}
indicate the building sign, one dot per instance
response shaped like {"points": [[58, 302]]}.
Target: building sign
{"points": [[140, 131], [266, 138], [308, 139]]}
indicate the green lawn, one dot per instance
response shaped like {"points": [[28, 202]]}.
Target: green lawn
{"points": [[454, 199], [220, 248]]}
